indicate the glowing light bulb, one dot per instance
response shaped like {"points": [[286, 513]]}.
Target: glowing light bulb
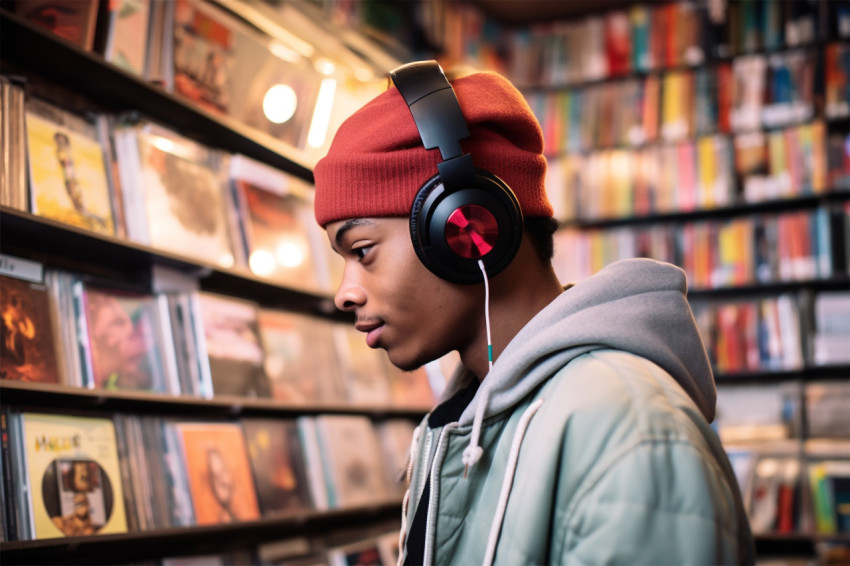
{"points": [[279, 103], [261, 262], [289, 254]]}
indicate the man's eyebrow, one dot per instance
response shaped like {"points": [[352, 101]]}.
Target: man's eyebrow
{"points": [[348, 225]]}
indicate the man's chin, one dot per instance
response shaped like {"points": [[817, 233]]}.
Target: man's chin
{"points": [[406, 364]]}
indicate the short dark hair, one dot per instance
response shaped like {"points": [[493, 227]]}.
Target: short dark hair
{"points": [[540, 230]]}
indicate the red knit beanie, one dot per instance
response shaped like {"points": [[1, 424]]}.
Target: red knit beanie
{"points": [[377, 163]]}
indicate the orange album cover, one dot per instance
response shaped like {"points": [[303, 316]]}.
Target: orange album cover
{"points": [[219, 472], [27, 347]]}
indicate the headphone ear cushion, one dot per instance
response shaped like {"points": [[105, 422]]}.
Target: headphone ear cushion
{"points": [[431, 216], [418, 225]]}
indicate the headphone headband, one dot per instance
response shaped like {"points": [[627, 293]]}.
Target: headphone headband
{"points": [[436, 112], [462, 216]]}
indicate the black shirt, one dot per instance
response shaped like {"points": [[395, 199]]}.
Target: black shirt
{"points": [[446, 413]]}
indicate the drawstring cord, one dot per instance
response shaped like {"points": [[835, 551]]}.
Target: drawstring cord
{"points": [[507, 482]]}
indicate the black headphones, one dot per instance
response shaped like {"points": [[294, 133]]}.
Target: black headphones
{"points": [[461, 214]]}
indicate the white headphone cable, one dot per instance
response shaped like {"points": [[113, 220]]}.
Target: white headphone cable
{"points": [[487, 313]]}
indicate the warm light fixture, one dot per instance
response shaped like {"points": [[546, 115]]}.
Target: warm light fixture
{"points": [[279, 103], [289, 254], [322, 114], [261, 262]]}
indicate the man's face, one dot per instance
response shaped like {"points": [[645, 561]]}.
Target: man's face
{"points": [[401, 306]]}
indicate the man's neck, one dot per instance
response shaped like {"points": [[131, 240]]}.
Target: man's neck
{"points": [[516, 296]]}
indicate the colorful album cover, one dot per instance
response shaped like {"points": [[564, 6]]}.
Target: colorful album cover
{"points": [[269, 92], [353, 461], [184, 195], [231, 68], [233, 346], [409, 389], [301, 359], [362, 553], [126, 43], [277, 227], [219, 472], [68, 181], [274, 447], [74, 477], [73, 21], [27, 346], [396, 436], [203, 58], [121, 330]]}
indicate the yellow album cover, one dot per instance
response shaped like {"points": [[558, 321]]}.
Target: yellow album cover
{"points": [[68, 176], [71, 464]]}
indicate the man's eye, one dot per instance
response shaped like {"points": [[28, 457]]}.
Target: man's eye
{"points": [[361, 251]]}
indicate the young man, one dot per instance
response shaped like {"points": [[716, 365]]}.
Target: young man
{"points": [[577, 429]]}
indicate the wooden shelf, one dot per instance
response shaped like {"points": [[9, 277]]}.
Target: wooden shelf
{"points": [[837, 283], [47, 396], [54, 59], [117, 260], [155, 544], [743, 209], [814, 373]]}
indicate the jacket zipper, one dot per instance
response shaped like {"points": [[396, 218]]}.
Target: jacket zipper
{"points": [[439, 454]]}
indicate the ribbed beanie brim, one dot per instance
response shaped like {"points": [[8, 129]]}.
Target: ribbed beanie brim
{"points": [[376, 162]]}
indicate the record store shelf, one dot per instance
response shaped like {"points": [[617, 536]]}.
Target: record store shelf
{"points": [[150, 545], [117, 260], [78, 399], [59, 61]]}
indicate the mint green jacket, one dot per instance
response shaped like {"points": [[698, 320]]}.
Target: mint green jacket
{"points": [[588, 442]]}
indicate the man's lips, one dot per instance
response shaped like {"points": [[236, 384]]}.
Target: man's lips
{"points": [[373, 331]]}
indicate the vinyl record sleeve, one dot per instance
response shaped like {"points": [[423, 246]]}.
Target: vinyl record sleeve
{"points": [[277, 459], [184, 196], [27, 346], [301, 360], [74, 477], [232, 346], [121, 340], [353, 461], [219, 472], [68, 179], [278, 227]]}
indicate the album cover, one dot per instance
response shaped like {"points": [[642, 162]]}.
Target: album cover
{"points": [[27, 346], [232, 346], [203, 55], [352, 457], [74, 21], [270, 91], [274, 448], [301, 360], [228, 67], [120, 342], [183, 194], [277, 225], [67, 170], [71, 465], [409, 389], [396, 436], [127, 23], [362, 553], [219, 472]]}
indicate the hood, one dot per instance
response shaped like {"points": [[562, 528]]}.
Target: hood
{"points": [[635, 305]]}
